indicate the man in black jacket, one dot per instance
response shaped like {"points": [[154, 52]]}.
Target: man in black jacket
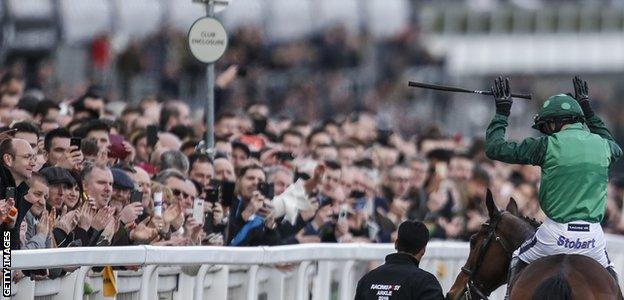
{"points": [[400, 277], [17, 163]]}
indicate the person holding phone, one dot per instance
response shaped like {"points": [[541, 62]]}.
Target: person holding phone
{"points": [[59, 151], [251, 222]]}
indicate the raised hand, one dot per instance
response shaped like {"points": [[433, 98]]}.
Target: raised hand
{"points": [[142, 233], [102, 218], [131, 212], [581, 91], [158, 224], [217, 214], [52, 219], [192, 230], [72, 160], [581, 94], [172, 212], [8, 212], [86, 216], [68, 222], [173, 216], [43, 227], [214, 239], [316, 178], [502, 96], [109, 228]]}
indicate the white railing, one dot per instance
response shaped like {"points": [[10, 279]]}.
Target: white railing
{"points": [[203, 272]]}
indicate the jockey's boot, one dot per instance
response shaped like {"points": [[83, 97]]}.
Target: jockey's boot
{"points": [[515, 267], [613, 273]]}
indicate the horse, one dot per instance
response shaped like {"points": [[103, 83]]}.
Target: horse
{"points": [[553, 277]]}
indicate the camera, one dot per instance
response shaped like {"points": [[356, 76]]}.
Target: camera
{"points": [[266, 189]]}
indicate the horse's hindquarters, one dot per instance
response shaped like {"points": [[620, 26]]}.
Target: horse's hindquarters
{"points": [[565, 277]]}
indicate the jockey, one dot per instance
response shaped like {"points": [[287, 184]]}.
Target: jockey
{"points": [[574, 155]]}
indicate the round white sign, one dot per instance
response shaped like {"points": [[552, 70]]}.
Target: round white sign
{"points": [[207, 39]]}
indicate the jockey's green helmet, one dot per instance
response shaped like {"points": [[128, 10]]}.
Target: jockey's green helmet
{"points": [[558, 108]]}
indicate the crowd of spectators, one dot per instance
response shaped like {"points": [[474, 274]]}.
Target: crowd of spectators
{"points": [[267, 181], [70, 172]]}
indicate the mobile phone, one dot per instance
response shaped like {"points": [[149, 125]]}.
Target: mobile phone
{"points": [[227, 193], [355, 194], [136, 196], [198, 210], [158, 203], [284, 156], [344, 210], [266, 189], [152, 135], [76, 141], [10, 192], [212, 195]]}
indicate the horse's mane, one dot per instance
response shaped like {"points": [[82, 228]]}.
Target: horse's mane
{"points": [[532, 221]]}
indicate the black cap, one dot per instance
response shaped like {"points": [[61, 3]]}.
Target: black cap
{"points": [[412, 237], [58, 175], [121, 180]]}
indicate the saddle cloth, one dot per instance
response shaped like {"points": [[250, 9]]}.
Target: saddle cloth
{"points": [[576, 237]]}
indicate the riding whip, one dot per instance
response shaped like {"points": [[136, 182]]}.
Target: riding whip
{"points": [[460, 90]]}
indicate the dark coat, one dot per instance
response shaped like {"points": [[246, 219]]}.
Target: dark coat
{"points": [[23, 206], [251, 232], [399, 278]]}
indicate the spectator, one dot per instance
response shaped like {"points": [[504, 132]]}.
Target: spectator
{"points": [[12, 84], [174, 113], [18, 162], [122, 186], [60, 181], [280, 178], [39, 222], [240, 154], [418, 195], [27, 131], [226, 125], [98, 184], [292, 142], [142, 180], [251, 223], [97, 130], [58, 151], [224, 170], [202, 170], [174, 159], [46, 110], [183, 190]]}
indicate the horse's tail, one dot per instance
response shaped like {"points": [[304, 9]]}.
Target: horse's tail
{"points": [[554, 288]]}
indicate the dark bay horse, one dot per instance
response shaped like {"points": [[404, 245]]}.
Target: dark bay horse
{"points": [[553, 277]]}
